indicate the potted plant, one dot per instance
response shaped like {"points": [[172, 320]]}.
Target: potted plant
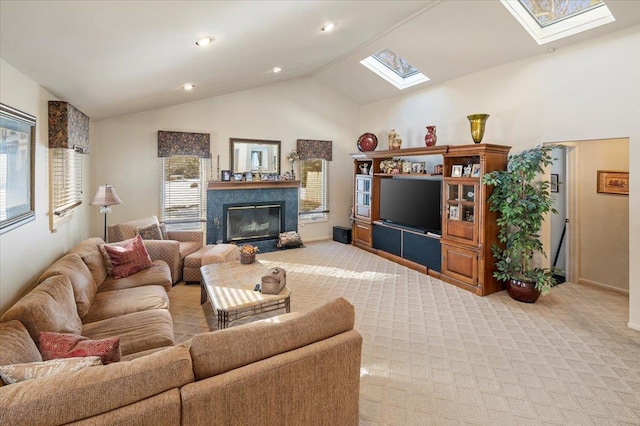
{"points": [[522, 200]]}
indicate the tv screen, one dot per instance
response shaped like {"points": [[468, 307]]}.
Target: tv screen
{"points": [[412, 202]]}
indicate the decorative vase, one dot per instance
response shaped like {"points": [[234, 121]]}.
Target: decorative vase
{"points": [[477, 126], [523, 291], [392, 137], [247, 258], [430, 138], [395, 141]]}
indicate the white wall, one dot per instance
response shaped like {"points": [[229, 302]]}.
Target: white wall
{"points": [[26, 251], [126, 147], [585, 91]]}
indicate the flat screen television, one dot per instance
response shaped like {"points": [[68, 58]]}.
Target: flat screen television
{"points": [[415, 203]]}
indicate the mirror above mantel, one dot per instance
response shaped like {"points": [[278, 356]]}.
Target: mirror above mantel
{"points": [[254, 155]]}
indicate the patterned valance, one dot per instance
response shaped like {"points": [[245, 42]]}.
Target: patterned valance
{"points": [[68, 127], [182, 143], [308, 149]]}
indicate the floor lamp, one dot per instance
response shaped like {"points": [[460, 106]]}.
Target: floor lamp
{"points": [[105, 198]]}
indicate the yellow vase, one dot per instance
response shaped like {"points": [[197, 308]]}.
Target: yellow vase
{"points": [[477, 126]]}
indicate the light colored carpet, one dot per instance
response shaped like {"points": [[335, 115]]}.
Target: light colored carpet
{"points": [[437, 355]]}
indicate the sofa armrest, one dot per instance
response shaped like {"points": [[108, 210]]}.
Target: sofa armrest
{"points": [[186, 236], [167, 250], [69, 397]]}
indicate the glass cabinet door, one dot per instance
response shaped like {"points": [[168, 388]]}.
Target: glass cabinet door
{"points": [[363, 197], [461, 201]]}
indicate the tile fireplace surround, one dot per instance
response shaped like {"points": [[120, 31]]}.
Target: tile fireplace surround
{"points": [[220, 194]]}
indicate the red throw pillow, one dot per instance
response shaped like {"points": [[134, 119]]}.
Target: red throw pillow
{"points": [[64, 345], [128, 259]]}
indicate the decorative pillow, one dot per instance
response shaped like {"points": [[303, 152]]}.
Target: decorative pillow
{"points": [[163, 231], [129, 258], [15, 373], [151, 232], [64, 345]]}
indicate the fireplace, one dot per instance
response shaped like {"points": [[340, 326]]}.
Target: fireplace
{"points": [[223, 195], [252, 222]]}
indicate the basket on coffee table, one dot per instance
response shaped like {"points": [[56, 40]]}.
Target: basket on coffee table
{"points": [[248, 254], [247, 258]]}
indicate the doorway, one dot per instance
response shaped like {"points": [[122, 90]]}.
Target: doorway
{"points": [[595, 246]]}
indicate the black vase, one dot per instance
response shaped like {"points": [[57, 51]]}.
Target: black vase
{"points": [[523, 291]]}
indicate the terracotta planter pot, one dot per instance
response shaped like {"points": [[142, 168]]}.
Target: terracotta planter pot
{"points": [[523, 291]]}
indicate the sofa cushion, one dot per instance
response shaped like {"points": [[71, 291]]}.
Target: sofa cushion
{"points": [[158, 274], [129, 258], [110, 304], [138, 331], [89, 251], [50, 306], [83, 283], [151, 232], [256, 341], [71, 397], [34, 370], [64, 345], [126, 230], [17, 346], [188, 247]]}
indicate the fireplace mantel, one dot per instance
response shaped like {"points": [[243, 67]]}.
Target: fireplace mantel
{"points": [[260, 184]]}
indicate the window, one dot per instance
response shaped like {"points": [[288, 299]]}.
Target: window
{"points": [[394, 69], [66, 183], [313, 191], [550, 20], [184, 192]]}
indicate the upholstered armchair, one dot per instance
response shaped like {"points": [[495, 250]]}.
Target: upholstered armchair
{"points": [[170, 246]]}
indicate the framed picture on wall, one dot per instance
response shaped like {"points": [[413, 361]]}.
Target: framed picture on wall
{"points": [[554, 182], [613, 182]]}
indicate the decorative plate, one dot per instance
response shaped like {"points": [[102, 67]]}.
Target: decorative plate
{"points": [[367, 142]]}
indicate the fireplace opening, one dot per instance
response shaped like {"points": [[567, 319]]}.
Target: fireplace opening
{"points": [[253, 222]]}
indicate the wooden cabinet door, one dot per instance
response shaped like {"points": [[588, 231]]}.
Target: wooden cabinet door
{"points": [[460, 263], [362, 234]]}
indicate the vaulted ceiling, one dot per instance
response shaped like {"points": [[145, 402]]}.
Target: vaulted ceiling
{"points": [[110, 58]]}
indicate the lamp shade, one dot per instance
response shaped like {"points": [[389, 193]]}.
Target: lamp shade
{"points": [[106, 196]]}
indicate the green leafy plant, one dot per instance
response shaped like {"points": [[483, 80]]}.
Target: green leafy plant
{"points": [[522, 202]]}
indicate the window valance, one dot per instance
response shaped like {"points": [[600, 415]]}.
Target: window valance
{"points": [[314, 149], [183, 143]]}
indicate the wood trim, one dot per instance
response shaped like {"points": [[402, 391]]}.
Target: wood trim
{"points": [[261, 184]]}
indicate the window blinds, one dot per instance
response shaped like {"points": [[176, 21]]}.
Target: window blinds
{"points": [[66, 180], [183, 200]]}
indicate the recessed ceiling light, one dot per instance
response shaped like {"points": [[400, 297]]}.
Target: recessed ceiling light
{"points": [[551, 50], [276, 70], [188, 86], [329, 27], [205, 41]]}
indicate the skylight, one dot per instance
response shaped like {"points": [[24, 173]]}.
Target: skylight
{"points": [[393, 68], [550, 20]]}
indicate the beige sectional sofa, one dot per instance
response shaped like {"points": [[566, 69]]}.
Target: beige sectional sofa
{"points": [[292, 369]]}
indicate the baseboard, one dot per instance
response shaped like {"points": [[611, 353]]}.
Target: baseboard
{"points": [[311, 240], [604, 286], [633, 326]]}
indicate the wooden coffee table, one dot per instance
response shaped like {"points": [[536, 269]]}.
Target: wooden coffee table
{"points": [[230, 288]]}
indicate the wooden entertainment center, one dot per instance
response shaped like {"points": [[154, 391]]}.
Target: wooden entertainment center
{"points": [[462, 255]]}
